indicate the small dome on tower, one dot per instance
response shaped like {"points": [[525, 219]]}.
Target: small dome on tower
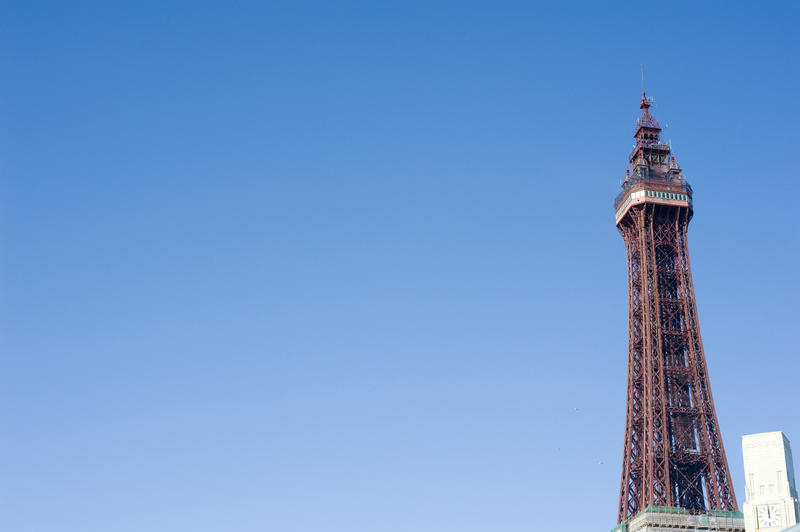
{"points": [[646, 120]]}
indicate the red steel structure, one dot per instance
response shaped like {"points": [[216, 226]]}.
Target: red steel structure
{"points": [[673, 453]]}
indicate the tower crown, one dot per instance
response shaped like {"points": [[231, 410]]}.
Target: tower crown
{"points": [[648, 137], [655, 177]]}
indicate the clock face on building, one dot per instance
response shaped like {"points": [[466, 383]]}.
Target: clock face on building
{"points": [[768, 515]]}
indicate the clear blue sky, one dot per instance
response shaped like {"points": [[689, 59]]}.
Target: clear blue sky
{"points": [[306, 267]]}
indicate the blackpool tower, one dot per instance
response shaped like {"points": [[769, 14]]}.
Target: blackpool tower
{"points": [[673, 458]]}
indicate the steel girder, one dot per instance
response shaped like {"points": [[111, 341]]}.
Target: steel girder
{"points": [[673, 453]]}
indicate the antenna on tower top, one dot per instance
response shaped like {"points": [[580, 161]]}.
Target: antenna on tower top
{"points": [[642, 67]]}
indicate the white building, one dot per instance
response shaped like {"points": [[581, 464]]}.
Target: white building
{"points": [[771, 497]]}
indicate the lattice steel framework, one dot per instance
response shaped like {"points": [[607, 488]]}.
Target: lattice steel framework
{"points": [[673, 453]]}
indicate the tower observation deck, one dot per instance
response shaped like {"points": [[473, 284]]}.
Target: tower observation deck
{"points": [[673, 455]]}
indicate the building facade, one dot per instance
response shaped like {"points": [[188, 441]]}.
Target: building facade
{"points": [[771, 496]]}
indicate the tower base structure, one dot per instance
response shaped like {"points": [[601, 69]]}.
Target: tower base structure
{"points": [[668, 519]]}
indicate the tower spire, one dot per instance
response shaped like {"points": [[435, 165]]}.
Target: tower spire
{"points": [[642, 67], [644, 103]]}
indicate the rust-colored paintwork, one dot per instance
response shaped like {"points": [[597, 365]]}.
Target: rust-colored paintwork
{"points": [[673, 453]]}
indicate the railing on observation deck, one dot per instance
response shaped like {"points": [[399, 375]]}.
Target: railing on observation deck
{"points": [[648, 143], [680, 186]]}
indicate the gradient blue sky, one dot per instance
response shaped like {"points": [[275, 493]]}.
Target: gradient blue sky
{"points": [[305, 267]]}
